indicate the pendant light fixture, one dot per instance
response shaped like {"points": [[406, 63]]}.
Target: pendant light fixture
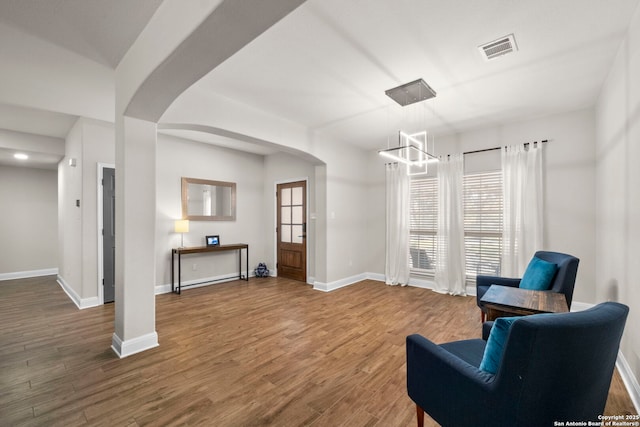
{"points": [[412, 148]]}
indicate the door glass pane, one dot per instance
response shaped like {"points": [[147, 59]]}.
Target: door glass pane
{"points": [[286, 196], [297, 196], [285, 234], [297, 215], [285, 215], [297, 234]]}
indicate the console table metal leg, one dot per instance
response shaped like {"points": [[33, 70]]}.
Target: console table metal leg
{"points": [[179, 273], [172, 277]]}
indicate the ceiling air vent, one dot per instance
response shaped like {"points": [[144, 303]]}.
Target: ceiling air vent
{"points": [[502, 46]]}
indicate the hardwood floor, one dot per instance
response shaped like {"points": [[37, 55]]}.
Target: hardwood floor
{"points": [[263, 352]]}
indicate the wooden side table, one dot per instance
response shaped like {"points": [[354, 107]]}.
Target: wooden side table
{"points": [[501, 301]]}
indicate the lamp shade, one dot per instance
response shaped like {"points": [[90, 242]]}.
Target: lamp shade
{"points": [[181, 226]]}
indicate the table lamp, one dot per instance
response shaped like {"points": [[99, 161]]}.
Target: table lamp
{"points": [[181, 226]]}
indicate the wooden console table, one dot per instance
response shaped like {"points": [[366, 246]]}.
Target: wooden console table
{"points": [[207, 249], [503, 301]]}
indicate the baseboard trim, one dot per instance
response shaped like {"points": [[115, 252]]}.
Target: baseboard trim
{"points": [[69, 291], [629, 380], [81, 303], [27, 274], [135, 345], [375, 276], [162, 289], [337, 284], [198, 283], [89, 302], [421, 283], [418, 282]]}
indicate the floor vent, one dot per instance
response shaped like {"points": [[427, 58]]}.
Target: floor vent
{"points": [[502, 46]]}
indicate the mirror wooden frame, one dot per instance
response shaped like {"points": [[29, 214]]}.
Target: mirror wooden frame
{"points": [[185, 200]]}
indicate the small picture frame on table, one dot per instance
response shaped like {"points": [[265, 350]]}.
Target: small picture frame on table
{"points": [[213, 240]]}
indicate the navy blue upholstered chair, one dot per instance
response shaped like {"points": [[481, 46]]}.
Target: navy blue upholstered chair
{"points": [[563, 282], [553, 367]]}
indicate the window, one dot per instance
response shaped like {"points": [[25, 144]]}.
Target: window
{"points": [[483, 206], [423, 224], [483, 223]]}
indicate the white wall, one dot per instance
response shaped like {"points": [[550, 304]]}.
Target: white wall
{"points": [[70, 216], [376, 214], [178, 158], [97, 147], [569, 182], [29, 226], [89, 142], [344, 217], [617, 194]]}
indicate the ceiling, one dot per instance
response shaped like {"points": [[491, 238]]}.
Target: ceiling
{"points": [[327, 64], [101, 30]]}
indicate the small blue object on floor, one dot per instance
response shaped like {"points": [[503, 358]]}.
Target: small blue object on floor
{"points": [[261, 270]]}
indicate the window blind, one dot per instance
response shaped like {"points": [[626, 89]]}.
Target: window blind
{"points": [[423, 224], [483, 207]]}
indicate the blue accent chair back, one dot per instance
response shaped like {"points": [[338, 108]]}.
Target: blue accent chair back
{"points": [[554, 367], [563, 282]]}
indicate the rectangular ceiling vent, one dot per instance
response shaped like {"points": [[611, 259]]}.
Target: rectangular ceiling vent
{"points": [[502, 46]]}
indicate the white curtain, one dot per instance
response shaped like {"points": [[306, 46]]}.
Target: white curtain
{"points": [[397, 237], [523, 218], [450, 257]]}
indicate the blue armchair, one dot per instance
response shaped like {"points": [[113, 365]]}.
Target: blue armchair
{"points": [[554, 367], [563, 282]]}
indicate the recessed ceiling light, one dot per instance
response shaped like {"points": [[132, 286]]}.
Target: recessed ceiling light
{"points": [[21, 156]]}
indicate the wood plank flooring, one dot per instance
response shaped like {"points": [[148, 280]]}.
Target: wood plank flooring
{"points": [[263, 352]]}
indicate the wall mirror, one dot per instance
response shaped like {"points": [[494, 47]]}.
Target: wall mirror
{"points": [[205, 200]]}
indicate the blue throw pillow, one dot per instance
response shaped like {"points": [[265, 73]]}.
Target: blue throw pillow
{"points": [[495, 344], [538, 275]]}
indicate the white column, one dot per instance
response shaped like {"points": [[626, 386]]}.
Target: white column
{"points": [[135, 236]]}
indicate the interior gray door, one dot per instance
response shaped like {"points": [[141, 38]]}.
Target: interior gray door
{"points": [[109, 232]]}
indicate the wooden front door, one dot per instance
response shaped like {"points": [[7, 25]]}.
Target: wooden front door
{"points": [[291, 230]]}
